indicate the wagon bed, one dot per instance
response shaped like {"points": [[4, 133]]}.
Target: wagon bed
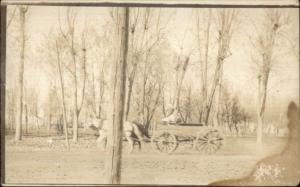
{"points": [[167, 137]]}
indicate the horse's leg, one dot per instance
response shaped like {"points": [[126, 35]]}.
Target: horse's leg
{"points": [[137, 133], [140, 145], [130, 141], [102, 139]]}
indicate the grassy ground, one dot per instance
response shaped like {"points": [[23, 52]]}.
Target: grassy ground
{"points": [[34, 160]]}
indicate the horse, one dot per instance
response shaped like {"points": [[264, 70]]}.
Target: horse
{"points": [[132, 131]]}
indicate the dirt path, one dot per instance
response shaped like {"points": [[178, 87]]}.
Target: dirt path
{"points": [[87, 167], [185, 166]]}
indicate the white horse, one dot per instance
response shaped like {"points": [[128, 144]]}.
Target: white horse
{"points": [[131, 132]]}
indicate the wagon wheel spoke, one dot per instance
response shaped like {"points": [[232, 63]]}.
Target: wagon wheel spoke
{"points": [[161, 144], [165, 142], [168, 147], [163, 148], [205, 137], [212, 148], [200, 145], [157, 143], [203, 147], [216, 141], [209, 142], [207, 148], [202, 139]]}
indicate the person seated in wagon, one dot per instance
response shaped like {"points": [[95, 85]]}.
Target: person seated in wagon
{"points": [[173, 118]]}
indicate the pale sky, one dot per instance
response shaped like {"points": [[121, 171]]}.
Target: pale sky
{"points": [[238, 71]]}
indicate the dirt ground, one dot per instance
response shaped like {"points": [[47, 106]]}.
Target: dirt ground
{"points": [[34, 160]]}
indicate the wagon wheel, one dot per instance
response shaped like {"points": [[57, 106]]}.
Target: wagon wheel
{"points": [[165, 142], [209, 142]]}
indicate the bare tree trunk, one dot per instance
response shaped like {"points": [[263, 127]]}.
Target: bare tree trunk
{"points": [[69, 37], [75, 126], [13, 120], [49, 122], [226, 19], [212, 93], [102, 89], [140, 46], [206, 59], [259, 118], [151, 113], [22, 14], [62, 89], [145, 79], [128, 100], [36, 114], [131, 79], [3, 92], [97, 108], [75, 110], [78, 106], [188, 106], [265, 44], [262, 97], [10, 119], [26, 119], [204, 64], [163, 102], [219, 98], [118, 97], [184, 67], [94, 105]]}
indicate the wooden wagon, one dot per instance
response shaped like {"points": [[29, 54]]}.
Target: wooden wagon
{"points": [[167, 137]]}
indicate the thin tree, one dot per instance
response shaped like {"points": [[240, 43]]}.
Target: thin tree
{"points": [[96, 104], [70, 39], [118, 96], [181, 69], [204, 62], [145, 36], [188, 105], [226, 20], [98, 82], [62, 89], [182, 62], [265, 43], [22, 16]]}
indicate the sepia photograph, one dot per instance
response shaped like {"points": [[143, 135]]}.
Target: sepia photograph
{"points": [[129, 93]]}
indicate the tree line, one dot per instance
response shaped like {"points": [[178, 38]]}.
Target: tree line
{"points": [[78, 59]]}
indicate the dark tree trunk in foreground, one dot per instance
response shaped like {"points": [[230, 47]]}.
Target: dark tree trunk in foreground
{"points": [[118, 96], [3, 92]]}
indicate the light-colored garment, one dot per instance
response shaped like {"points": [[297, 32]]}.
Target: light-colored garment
{"points": [[172, 118], [98, 122]]}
